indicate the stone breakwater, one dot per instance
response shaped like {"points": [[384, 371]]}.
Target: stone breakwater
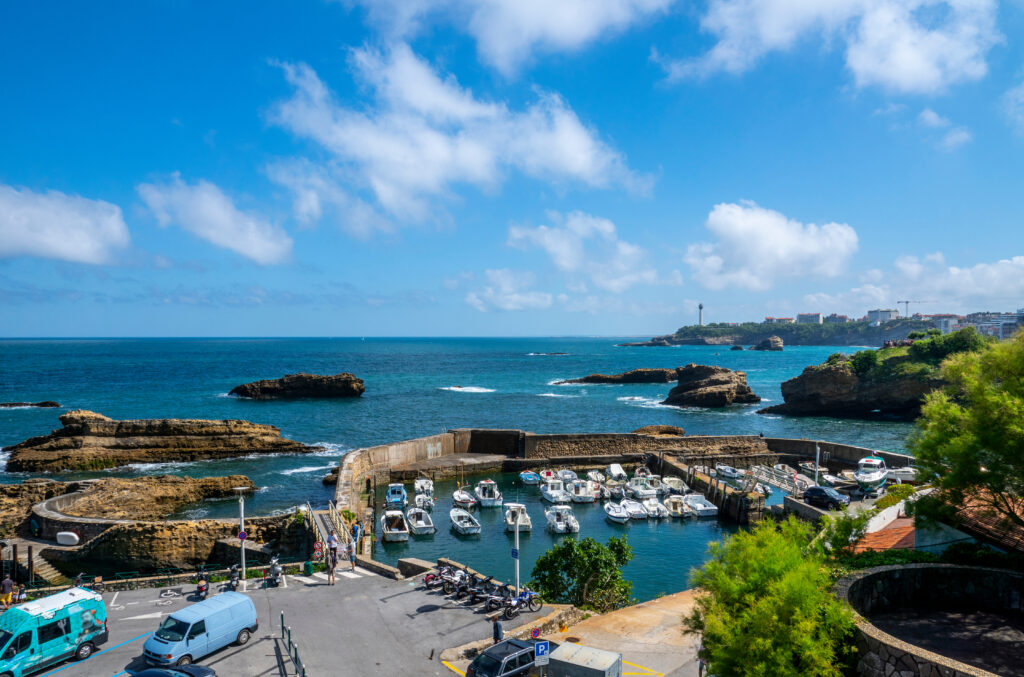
{"points": [[297, 386], [91, 441]]}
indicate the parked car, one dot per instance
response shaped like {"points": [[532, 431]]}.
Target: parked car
{"points": [[825, 497], [200, 629], [38, 634], [177, 671], [504, 659]]}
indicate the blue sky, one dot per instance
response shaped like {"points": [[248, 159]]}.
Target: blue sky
{"points": [[504, 167]]}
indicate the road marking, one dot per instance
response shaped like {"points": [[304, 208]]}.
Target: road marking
{"points": [[284, 581], [113, 600], [453, 668], [155, 614], [349, 574], [321, 575], [109, 648], [650, 671], [303, 579], [364, 571]]}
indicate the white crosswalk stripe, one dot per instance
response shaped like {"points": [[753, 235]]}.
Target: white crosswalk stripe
{"points": [[303, 579], [321, 575], [349, 574]]}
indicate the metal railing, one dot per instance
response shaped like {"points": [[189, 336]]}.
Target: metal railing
{"points": [[320, 536], [293, 648], [338, 522]]}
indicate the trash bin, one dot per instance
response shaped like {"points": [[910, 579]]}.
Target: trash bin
{"points": [[307, 568]]}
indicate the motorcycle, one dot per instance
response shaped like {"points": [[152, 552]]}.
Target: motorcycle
{"points": [[274, 573], [498, 598], [527, 599], [202, 586], [481, 590], [233, 578], [466, 585], [452, 580], [436, 578]]}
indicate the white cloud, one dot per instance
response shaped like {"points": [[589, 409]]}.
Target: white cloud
{"points": [[425, 134], [929, 118], [206, 212], [755, 246], [508, 290], [58, 226], [509, 32], [955, 138], [1013, 106], [914, 46]]}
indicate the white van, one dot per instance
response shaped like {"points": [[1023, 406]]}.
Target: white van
{"points": [[195, 631]]}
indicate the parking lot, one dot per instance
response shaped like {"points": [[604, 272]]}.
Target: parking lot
{"points": [[365, 624]]}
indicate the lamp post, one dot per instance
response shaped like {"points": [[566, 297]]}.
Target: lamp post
{"points": [[817, 462], [518, 517], [241, 523]]}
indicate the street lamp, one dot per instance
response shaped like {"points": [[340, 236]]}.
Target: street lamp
{"points": [[241, 522], [519, 515]]}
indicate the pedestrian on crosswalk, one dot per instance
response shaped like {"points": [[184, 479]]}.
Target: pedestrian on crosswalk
{"points": [[352, 554], [332, 564], [332, 543]]}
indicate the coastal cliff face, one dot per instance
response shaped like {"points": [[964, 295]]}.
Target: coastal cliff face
{"points": [[152, 498], [770, 343], [16, 501], [632, 376], [91, 441], [298, 386], [706, 386]]}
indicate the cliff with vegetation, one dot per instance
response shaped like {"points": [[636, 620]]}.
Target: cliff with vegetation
{"points": [[890, 382], [858, 333]]}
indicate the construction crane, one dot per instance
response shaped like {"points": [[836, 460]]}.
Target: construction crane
{"points": [[906, 306]]}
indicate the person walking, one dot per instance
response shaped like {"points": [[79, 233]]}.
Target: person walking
{"points": [[332, 544], [496, 629], [352, 554], [22, 595], [332, 564], [6, 588]]}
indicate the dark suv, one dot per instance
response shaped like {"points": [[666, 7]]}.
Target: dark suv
{"points": [[511, 657], [825, 497]]}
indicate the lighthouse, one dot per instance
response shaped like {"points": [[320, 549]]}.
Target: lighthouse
{"points": [[700, 314]]}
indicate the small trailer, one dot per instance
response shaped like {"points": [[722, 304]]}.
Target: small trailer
{"points": [[576, 660]]}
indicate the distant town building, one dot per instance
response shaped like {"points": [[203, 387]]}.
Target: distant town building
{"points": [[945, 322], [883, 315], [836, 319], [808, 318], [779, 320]]}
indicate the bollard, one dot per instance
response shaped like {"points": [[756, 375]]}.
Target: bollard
{"points": [[289, 636], [282, 625]]}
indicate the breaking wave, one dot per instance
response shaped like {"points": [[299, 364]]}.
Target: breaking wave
{"points": [[555, 395], [645, 402], [305, 469], [467, 389]]}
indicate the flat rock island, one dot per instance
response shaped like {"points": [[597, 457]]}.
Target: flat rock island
{"points": [[91, 441], [632, 376], [46, 404], [300, 386], [706, 386]]}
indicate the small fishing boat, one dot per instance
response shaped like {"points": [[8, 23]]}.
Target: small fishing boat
{"points": [[675, 485], [701, 506], [641, 471], [393, 527], [420, 523], [829, 480], [424, 501], [566, 475], [677, 507], [561, 520], [783, 468], [424, 485], [654, 508], [463, 522], [904, 474], [396, 497], [462, 498], [581, 491], [615, 472], [514, 511], [638, 489], [871, 474], [554, 491], [654, 482], [547, 475], [634, 509], [529, 477], [728, 472], [808, 468], [613, 512], [614, 488], [763, 489], [703, 469], [487, 493], [596, 476]]}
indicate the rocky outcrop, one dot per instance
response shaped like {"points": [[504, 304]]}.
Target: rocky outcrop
{"points": [[670, 340], [299, 386], [331, 478], [705, 386], [151, 498], [770, 343], [46, 404], [16, 501], [661, 430], [91, 441], [836, 390], [633, 376], [736, 348]]}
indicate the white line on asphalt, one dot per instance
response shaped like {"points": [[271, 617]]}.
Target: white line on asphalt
{"points": [[303, 579], [113, 600], [130, 603], [284, 581], [155, 614], [364, 571], [349, 574], [321, 575]]}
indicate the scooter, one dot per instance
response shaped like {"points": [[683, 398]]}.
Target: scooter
{"points": [[274, 573], [233, 579], [481, 590], [202, 587], [525, 600], [436, 578]]}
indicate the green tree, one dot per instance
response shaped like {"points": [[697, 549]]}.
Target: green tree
{"points": [[864, 361], [585, 573], [767, 607], [969, 440]]}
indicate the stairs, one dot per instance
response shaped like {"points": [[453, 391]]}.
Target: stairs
{"points": [[41, 569]]}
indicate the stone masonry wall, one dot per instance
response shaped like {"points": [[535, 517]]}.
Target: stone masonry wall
{"points": [[538, 446], [845, 454]]}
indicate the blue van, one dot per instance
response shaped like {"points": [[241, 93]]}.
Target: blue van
{"points": [[187, 635], [37, 634]]}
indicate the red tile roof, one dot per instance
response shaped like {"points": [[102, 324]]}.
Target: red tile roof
{"points": [[897, 536]]}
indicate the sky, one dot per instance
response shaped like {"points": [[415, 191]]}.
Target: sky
{"points": [[504, 167]]}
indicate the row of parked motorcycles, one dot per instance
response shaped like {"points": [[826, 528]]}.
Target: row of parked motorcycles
{"points": [[272, 578], [495, 596]]}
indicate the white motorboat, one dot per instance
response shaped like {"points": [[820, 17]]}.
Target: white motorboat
{"points": [[904, 474], [396, 497], [548, 475], [808, 468], [463, 522], [424, 501], [393, 527], [515, 511], [424, 485], [638, 489], [615, 472], [596, 476], [677, 507], [641, 471], [487, 493], [763, 489], [654, 482], [462, 498], [701, 506], [614, 488], [529, 477], [654, 508], [613, 512], [728, 472], [554, 491], [561, 520], [419, 520], [582, 491], [871, 474], [634, 509], [829, 480], [566, 475], [783, 468], [675, 485]]}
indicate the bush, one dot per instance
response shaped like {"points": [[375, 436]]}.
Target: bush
{"points": [[864, 361], [938, 348], [585, 573], [835, 358], [894, 494], [881, 558]]}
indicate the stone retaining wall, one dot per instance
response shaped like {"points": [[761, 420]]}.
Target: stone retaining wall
{"points": [[844, 454], [537, 446]]}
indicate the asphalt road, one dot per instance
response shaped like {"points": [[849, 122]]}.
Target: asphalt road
{"points": [[365, 624]]}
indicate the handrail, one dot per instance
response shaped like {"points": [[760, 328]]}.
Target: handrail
{"points": [[337, 521], [293, 648], [320, 536]]}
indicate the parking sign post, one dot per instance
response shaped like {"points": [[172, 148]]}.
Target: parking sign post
{"points": [[541, 653]]}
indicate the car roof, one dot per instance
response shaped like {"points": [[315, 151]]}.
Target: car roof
{"points": [[201, 610], [506, 648], [46, 606]]}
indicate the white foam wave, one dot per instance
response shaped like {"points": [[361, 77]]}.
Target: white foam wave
{"points": [[305, 469], [224, 395], [561, 383], [4, 457], [645, 402], [197, 513], [555, 395], [329, 449], [151, 467], [467, 389]]}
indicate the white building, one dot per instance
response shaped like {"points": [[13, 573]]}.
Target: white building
{"points": [[808, 318], [883, 315]]}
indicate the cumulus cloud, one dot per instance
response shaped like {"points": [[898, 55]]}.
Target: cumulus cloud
{"points": [[755, 246], [589, 246], [205, 211], [955, 138], [913, 46], [930, 118], [509, 32], [424, 134], [1013, 106], [55, 225], [508, 290]]}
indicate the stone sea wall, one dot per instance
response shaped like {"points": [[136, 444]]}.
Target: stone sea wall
{"points": [[844, 454]]}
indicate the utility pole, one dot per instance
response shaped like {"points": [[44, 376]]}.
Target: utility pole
{"points": [[519, 515], [241, 524]]}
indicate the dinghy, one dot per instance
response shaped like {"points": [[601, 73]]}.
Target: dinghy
{"points": [[554, 491], [654, 508], [424, 485], [396, 497], [514, 511], [393, 527], [641, 471], [424, 501], [547, 475], [615, 472], [676, 506], [487, 493], [634, 509], [529, 477], [675, 485], [638, 489], [613, 512], [420, 523], [566, 475], [463, 522], [701, 506], [582, 491], [829, 480], [561, 520], [462, 498], [596, 476]]}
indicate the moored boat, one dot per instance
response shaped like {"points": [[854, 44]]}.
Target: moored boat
{"points": [[613, 512], [614, 488], [904, 474], [654, 508], [529, 477], [393, 527], [634, 509], [547, 474], [675, 485], [462, 498], [615, 472], [420, 523], [701, 506], [487, 493], [829, 480], [638, 489], [728, 472], [788, 469], [871, 474], [514, 511], [561, 520], [554, 491], [641, 471], [677, 507], [654, 482], [396, 497], [424, 501], [808, 468], [596, 476], [566, 475], [582, 491], [424, 485], [463, 522]]}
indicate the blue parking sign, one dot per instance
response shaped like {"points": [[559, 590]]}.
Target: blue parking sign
{"points": [[515, 553], [541, 648]]}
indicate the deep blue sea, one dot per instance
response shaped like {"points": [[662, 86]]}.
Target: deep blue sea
{"points": [[506, 383]]}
